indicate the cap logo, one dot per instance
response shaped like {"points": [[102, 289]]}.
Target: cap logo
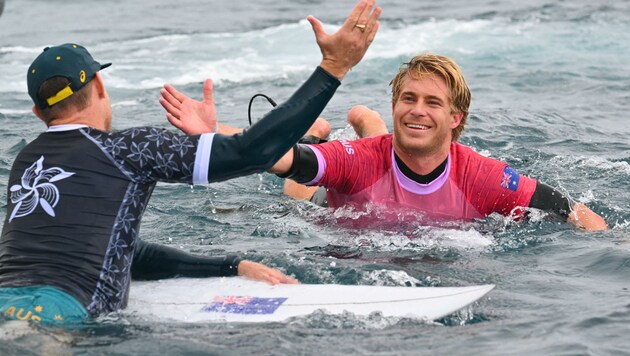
{"points": [[58, 58], [82, 76]]}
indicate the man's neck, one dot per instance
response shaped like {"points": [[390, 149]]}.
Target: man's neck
{"points": [[420, 178], [85, 117]]}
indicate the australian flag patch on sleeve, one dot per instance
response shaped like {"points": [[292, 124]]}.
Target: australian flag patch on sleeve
{"points": [[510, 178]]}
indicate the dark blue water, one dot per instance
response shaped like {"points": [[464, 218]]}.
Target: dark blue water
{"points": [[551, 96]]}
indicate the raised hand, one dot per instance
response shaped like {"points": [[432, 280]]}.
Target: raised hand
{"points": [[345, 48], [191, 116]]}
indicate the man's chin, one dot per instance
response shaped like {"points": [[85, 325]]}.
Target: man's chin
{"points": [[417, 147]]}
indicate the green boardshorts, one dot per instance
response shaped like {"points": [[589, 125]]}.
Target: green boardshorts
{"points": [[43, 303]]}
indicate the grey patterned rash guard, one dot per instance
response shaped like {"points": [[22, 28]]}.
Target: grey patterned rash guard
{"points": [[77, 195]]}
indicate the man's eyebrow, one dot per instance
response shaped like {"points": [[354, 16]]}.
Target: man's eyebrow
{"points": [[433, 97]]}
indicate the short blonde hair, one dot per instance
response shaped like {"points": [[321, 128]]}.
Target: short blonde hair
{"points": [[433, 64]]}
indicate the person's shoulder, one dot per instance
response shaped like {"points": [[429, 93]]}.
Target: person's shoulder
{"points": [[462, 149], [464, 153], [467, 151], [384, 140], [137, 129], [370, 144], [383, 137], [142, 131], [367, 147]]}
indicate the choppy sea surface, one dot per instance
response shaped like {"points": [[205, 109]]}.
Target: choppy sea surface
{"points": [[551, 96]]}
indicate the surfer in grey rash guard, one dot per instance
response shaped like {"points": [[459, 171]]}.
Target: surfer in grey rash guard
{"points": [[77, 193]]}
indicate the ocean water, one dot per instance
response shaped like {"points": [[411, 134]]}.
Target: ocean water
{"points": [[551, 96]]}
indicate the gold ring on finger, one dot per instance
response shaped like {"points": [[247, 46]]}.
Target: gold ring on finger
{"points": [[360, 27]]}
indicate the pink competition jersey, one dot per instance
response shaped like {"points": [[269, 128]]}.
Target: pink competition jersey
{"points": [[472, 186]]}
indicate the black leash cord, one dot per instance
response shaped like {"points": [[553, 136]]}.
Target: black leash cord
{"points": [[249, 109]]}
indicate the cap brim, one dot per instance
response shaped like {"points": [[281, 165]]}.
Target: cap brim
{"points": [[103, 66]]}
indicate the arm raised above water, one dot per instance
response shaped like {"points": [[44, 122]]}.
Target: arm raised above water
{"points": [[259, 147]]}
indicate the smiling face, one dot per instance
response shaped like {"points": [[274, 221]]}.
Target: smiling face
{"points": [[423, 117]]}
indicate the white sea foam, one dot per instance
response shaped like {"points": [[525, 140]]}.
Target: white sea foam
{"points": [[126, 103], [425, 237], [391, 278], [14, 111], [274, 52], [20, 49], [600, 163], [454, 238]]}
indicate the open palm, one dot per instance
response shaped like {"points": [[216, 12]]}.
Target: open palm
{"points": [[191, 116]]}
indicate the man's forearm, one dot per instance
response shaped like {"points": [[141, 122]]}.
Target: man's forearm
{"points": [[155, 261], [259, 147]]}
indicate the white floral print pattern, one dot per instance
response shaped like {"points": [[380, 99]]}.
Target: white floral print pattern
{"points": [[37, 188]]}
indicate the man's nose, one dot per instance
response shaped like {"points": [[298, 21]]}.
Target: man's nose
{"points": [[419, 109]]}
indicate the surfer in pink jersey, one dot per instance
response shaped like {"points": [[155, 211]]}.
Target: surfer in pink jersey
{"points": [[420, 166], [465, 186]]}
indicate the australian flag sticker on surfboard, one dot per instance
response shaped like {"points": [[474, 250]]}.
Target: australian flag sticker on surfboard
{"points": [[243, 305]]}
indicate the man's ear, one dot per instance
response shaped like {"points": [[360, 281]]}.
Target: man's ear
{"points": [[456, 119], [99, 86]]}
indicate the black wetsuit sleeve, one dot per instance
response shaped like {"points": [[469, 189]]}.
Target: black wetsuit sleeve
{"points": [[259, 147], [549, 199], [155, 261], [305, 166]]}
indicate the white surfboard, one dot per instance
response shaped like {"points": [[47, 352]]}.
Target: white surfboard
{"points": [[238, 299]]}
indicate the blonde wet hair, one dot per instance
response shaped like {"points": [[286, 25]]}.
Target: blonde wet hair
{"points": [[428, 64]]}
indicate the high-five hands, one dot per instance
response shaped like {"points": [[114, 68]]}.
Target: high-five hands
{"points": [[341, 51]]}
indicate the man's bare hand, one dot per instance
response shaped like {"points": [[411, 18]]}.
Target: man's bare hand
{"points": [[191, 116], [345, 48], [260, 272]]}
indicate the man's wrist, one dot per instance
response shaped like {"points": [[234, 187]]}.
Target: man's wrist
{"points": [[334, 69], [230, 266]]}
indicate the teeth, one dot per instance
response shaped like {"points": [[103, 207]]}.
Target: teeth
{"points": [[422, 127]]}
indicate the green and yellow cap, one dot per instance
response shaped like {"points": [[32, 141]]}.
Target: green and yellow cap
{"points": [[68, 60]]}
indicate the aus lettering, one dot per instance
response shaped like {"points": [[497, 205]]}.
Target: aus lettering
{"points": [[21, 314], [348, 147]]}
